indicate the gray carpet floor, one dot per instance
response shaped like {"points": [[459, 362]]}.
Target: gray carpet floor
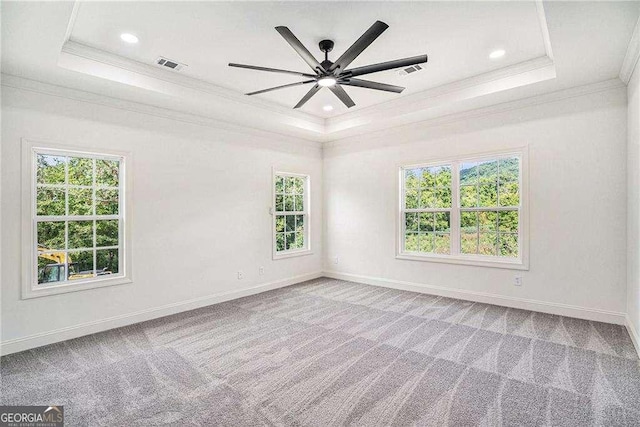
{"points": [[328, 352]]}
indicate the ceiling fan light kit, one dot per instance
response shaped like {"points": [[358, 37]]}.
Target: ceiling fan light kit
{"points": [[334, 75]]}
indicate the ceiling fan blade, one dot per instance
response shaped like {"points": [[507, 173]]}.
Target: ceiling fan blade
{"points": [[272, 70], [382, 66], [372, 85], [342, 95], [308, 96], [361, 44], [300, 49], [280, 87]]}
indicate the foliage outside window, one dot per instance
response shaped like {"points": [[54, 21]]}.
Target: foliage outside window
{"points": [[78, 218], [291, 213], [467, 209]]}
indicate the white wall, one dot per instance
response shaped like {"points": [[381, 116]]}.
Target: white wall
{"points": [[199, 214], [577, 195], [633, 203]]}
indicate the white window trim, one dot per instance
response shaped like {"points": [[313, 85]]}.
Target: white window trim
{"points": [[520, 263], [307, 212], [29, 255]]}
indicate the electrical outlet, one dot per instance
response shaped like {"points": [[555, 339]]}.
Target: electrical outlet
{"points": [[517, 281], [261, 270], [240, 275], [335, 259]]}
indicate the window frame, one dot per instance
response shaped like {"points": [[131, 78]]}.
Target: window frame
{"points": [[306, 213], [30, 220], [456, 257]]}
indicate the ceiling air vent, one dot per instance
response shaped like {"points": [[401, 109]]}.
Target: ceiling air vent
{"points": [[169, 63], [409, 70]]}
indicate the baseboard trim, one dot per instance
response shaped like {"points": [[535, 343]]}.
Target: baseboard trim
{"points": [[62, 334], [487, 298], [633, 333]]}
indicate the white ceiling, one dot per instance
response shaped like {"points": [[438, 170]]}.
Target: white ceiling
{"points": [[458, 38], [588, 40]]}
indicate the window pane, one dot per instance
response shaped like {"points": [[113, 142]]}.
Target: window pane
{"points": [[442, 243], [107, 172], [487, 245], [426, 221], [279, 203], [51, 235], [299, 241], [80, 171], [508, 221], [50, 169], [80, 201], [107, 232], [299, 202], [288, 203], [411, 242], [81, 265], [106, 202], [443, 198], [411, 221], [412, 178], [289, 185], [509, 194], [279, 224], [50, 201], [279, 184], [488, 172], [469, 243], [428, 178], [488, 195], [468, 222], [508, 245], [411, 199], [427, 198], [442, 221], [487, 220], [300, 224], [80, 234], [298, 185], [280, 242], [51, 267], [468, 174], [290, 239], [425, 242], [509, 170], [290, 223], [106, 261], [468, 196], [443, 177]]}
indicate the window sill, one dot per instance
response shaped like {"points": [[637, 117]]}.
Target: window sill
{"points": [[517, 264], [293, 254], [46, 290]]}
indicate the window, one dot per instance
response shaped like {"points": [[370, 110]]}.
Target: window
{"points": [[464, 211], [291, 217], [77, 221]]}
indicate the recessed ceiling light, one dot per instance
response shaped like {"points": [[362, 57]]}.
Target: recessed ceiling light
{"points": [[328, 108], [129, 38], [499, 53], [327, 81]]}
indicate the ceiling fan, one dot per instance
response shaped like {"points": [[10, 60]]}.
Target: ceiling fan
{"points": [[334, 75]]}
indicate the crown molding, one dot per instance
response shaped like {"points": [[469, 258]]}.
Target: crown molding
{"points": [[632, 56], [20, 83], [89, 60], [415, 131]]}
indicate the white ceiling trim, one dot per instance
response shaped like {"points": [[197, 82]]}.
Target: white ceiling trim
{"points": [[632, 56], [415, 131], [542, 19], [423, 104], [21, 83]]}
